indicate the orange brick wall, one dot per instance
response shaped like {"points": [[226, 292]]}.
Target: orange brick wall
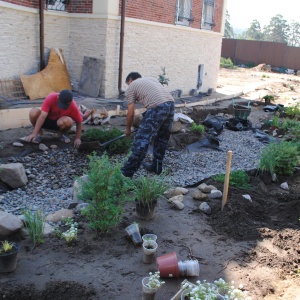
{"points": [[163, 11]]}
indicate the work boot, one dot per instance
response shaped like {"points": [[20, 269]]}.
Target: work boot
{"points": [[153, 169]]}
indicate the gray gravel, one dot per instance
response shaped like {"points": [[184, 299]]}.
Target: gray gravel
{"points": [[51, 174]]}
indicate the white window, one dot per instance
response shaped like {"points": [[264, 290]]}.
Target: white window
{"points": [[208, 14], [183, 12], [59, 5]]}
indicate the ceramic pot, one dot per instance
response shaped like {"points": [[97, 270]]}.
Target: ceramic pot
{"points": [[8, 260], [134, 232], [168, 265], [148, 293], [145, 211], [149, 249]]}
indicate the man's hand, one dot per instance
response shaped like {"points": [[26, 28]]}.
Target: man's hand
{"points": [[128, 131], [77, 142], [31, 138]]}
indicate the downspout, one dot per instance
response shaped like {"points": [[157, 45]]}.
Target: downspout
{"points": [[42, 58], [121, 46]]}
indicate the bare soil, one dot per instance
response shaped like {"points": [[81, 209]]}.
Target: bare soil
{"points": [[256, 243]]}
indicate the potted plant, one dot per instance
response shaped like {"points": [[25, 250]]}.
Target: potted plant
{"points": [[8, 256], [149, 249], [146, 191], [200, 291], [268, 99], [151, 285]]}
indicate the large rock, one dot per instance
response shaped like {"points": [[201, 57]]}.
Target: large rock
{"points": [[9, 223], [175, 192], [14, 175], [60, 215]]}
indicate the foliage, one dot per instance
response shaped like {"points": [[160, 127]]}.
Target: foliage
{"points": [[148, 188], [197, 128], [226, 63], [154, 281], [265, 76], [6, 246], [116, 147], [71, 234], [106, 190], [277, 30], [228, 291], [35, 222], [228, 32], [292, 111], [268, 98], [279, 158], [238, 179], [162, 77]]}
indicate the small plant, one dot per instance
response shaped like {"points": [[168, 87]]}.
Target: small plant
{"points": [[154, 281], [226, 63], [69, 235], [228, 291], [35, 222], [6, 246], [292, 88], [162, 77], [279, 158], [238, 179], [265, 76], [201, 291], [268, 98], [117, 147], [148, 188], [197, 128], [292, 111], [106, 190]]}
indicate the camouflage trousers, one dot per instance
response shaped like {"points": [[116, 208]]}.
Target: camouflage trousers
{"points": [[156, 126]]}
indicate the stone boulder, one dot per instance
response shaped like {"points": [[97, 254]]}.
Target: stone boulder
{"points": [[9, 223], [60, 215], [14, 175]]}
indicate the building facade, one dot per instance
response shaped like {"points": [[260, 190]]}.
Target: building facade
{"points": [[184, 36]]}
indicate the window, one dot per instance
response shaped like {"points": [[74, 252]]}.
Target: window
{"points": [[208, 14], [183, 12], [59, 5]]}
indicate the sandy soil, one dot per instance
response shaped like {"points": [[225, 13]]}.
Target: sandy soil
{"points": [[253, 243]]}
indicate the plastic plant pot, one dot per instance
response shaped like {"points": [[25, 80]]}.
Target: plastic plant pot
{"points": [[134, 232], [168, 265], [149, 237], [8, 261], [148, 293], [149, 249], [189, 268]]}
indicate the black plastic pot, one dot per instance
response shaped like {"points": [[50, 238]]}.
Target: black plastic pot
{"points": [[145, 211], [8, 260]]}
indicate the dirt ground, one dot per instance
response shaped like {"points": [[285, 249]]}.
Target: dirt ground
{"points": [[256, 243]]}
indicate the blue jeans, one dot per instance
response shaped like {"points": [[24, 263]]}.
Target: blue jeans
{"points": [[156, 125]]}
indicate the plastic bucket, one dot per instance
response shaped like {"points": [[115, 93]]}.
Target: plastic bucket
{"points": [[168, 265]]}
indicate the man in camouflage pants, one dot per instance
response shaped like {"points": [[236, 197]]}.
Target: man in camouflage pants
{"points": [[156, 124]]}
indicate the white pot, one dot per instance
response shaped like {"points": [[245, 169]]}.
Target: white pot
{"points": [[149, 247]]}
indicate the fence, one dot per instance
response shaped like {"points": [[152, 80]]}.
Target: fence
{"points": [[258, 52]]}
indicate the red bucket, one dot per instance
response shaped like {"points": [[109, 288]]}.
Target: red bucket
{"points": [[168, 265]]}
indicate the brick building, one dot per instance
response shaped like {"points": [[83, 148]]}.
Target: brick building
{"points": [[184, 36]]}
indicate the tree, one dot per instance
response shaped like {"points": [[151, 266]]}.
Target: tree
{"points": [[228, 32], [277, 30], [254, 32], [294, 34]]}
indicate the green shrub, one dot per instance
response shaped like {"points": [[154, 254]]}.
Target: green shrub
{"points": [[106, 191], [279, 158], [226, 63], [238, 179], [116, 147], [293, 111], [197, 128]]}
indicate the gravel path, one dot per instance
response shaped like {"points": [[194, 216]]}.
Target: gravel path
{"points": [[51, 174]]}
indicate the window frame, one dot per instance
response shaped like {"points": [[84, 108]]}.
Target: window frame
{"points": [[186, 18], [208, 14]]}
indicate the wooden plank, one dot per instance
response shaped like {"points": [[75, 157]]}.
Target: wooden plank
{"points": [[226, 181], [91, 76]]}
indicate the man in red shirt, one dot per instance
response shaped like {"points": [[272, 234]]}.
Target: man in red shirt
{"points": [[58, 112]]}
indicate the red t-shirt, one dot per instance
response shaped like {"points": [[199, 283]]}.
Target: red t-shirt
{"points": [[54, 112]]}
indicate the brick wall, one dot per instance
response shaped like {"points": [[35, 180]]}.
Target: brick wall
{"points": [[163, 11], [75, 6]]}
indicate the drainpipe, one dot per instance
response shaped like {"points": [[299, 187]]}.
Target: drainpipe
{"points": [[121, 46], [42, 58]]}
